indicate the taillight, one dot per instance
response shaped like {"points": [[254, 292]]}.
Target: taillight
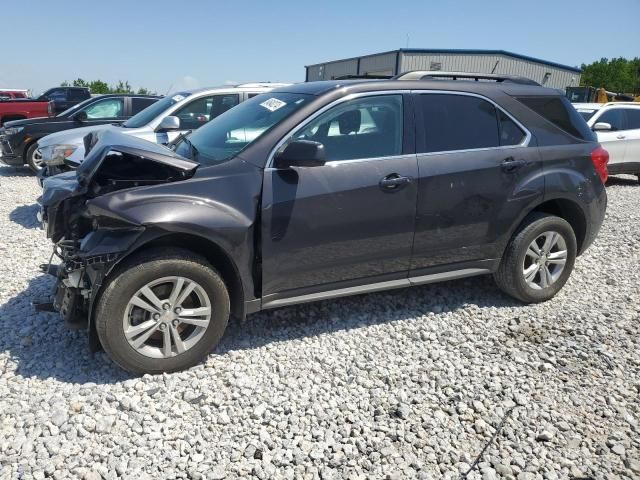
{"points": [[600, 158]]}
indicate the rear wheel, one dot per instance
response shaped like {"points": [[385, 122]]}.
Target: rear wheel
{"points": [[162, 312], [34, 158], [538, 260]]}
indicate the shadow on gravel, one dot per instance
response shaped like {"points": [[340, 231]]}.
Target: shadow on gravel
{"points": [[25, 215], [329, 316], [626, 181], [41, 346]]}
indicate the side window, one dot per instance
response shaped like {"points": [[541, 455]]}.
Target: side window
{"points": [[633, 118], [615, 117], [510, 133], [107, 108], [138, 104], [201, 110], [76, 95], [458, 122], [362, 128], [57, 95]]}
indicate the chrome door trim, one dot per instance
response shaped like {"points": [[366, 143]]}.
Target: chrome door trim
{"points": [[319, 112], [374, 287], [524, 143]]}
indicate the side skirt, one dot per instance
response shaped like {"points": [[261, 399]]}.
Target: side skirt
{"points": [[373, 287]]}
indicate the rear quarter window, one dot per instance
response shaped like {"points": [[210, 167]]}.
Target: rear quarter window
{"points": [[559, 111]]}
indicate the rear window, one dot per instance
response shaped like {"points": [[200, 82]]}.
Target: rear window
{"points": [[559, 111]]}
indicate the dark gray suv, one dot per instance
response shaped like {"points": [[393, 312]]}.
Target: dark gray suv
{"points": [[315, 191]]}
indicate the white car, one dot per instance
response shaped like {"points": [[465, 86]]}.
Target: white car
{"points": [[161, 122], [617, 126]]}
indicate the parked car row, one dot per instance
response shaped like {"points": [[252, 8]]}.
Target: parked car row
{"points": [[162, 123], [312, 191], [617, 127], [19, 138]]}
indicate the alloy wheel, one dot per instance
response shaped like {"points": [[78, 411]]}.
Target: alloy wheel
{"points": [[36, 159], [544, 260], [166, 317]]}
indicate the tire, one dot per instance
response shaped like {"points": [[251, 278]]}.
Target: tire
{"points": [[32, 160], [510, 275], [115, 314]]}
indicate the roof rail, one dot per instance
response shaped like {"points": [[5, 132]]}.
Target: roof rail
{"points": [[363, 77], [429, 75], [635, 104], [262, 84]]}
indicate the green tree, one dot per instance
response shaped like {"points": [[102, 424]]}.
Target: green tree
{"points": [[98, 86], [618, 75], [122, 87]]}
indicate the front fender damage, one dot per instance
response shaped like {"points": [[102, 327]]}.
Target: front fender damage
{"points": [[82, 270]]}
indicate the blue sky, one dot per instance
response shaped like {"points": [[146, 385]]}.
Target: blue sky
{"points": [[166, 45]]}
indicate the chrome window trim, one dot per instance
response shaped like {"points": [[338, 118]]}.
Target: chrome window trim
{"points": [[317, 113], [525, 142]]}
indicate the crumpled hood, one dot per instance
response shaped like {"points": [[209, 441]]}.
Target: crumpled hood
{"points": [[115, 162], [73, 136]]}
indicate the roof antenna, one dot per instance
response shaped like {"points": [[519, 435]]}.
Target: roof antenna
{"points": [[169, 89]]}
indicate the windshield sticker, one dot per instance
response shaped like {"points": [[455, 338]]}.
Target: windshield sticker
{"points": [[273, 104], [177, 98]]}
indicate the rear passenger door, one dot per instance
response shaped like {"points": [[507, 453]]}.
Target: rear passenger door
{"points": [[476, 174], [614, 140], [632, 135]]}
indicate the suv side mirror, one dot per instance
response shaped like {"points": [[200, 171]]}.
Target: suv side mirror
{"points": [[300, 153], [80, 116], [602, 127], [170, 122]]}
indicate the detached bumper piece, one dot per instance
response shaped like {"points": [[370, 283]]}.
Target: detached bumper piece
{"points": [[76, 276]]}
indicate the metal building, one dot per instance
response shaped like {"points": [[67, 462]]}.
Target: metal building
{"points": [[550, 74]]}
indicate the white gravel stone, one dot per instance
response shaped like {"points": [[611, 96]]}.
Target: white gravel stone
{"points": [[401, 384]]}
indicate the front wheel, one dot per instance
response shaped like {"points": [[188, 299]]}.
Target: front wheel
{"points": [[539, 259], [162, 312], [34, 158]]}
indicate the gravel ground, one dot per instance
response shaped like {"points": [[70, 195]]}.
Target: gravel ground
{"points": [[406, 384]]}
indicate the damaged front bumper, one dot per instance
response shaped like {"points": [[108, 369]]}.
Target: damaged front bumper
{"points": [[81, 272]]}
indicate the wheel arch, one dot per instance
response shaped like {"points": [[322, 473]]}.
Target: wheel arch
{"points": [[564, 208], [211, 251]]}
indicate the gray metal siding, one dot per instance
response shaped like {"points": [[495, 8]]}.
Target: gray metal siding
{"points": [[380, 64], [329, 71], [485, 64]]}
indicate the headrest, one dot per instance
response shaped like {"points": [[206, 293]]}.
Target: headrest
{"points": [[349, 122]]}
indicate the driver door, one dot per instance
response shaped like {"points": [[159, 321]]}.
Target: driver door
{"points": [[343, 223]]}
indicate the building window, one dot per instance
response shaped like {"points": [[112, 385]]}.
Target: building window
{"points": [[435, 66]]}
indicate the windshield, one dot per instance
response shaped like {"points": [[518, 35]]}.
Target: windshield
{"points": [[233, 131], [145, 116]]}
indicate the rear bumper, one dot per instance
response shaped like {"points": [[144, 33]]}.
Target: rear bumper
{"points": [[595, 212]]}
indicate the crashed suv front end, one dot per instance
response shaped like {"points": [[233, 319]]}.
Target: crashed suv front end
{"points": [[88, 241]]}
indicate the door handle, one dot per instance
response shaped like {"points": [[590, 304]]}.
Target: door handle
{"points": [[510, 164], [621, 137], [394, 182]]}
